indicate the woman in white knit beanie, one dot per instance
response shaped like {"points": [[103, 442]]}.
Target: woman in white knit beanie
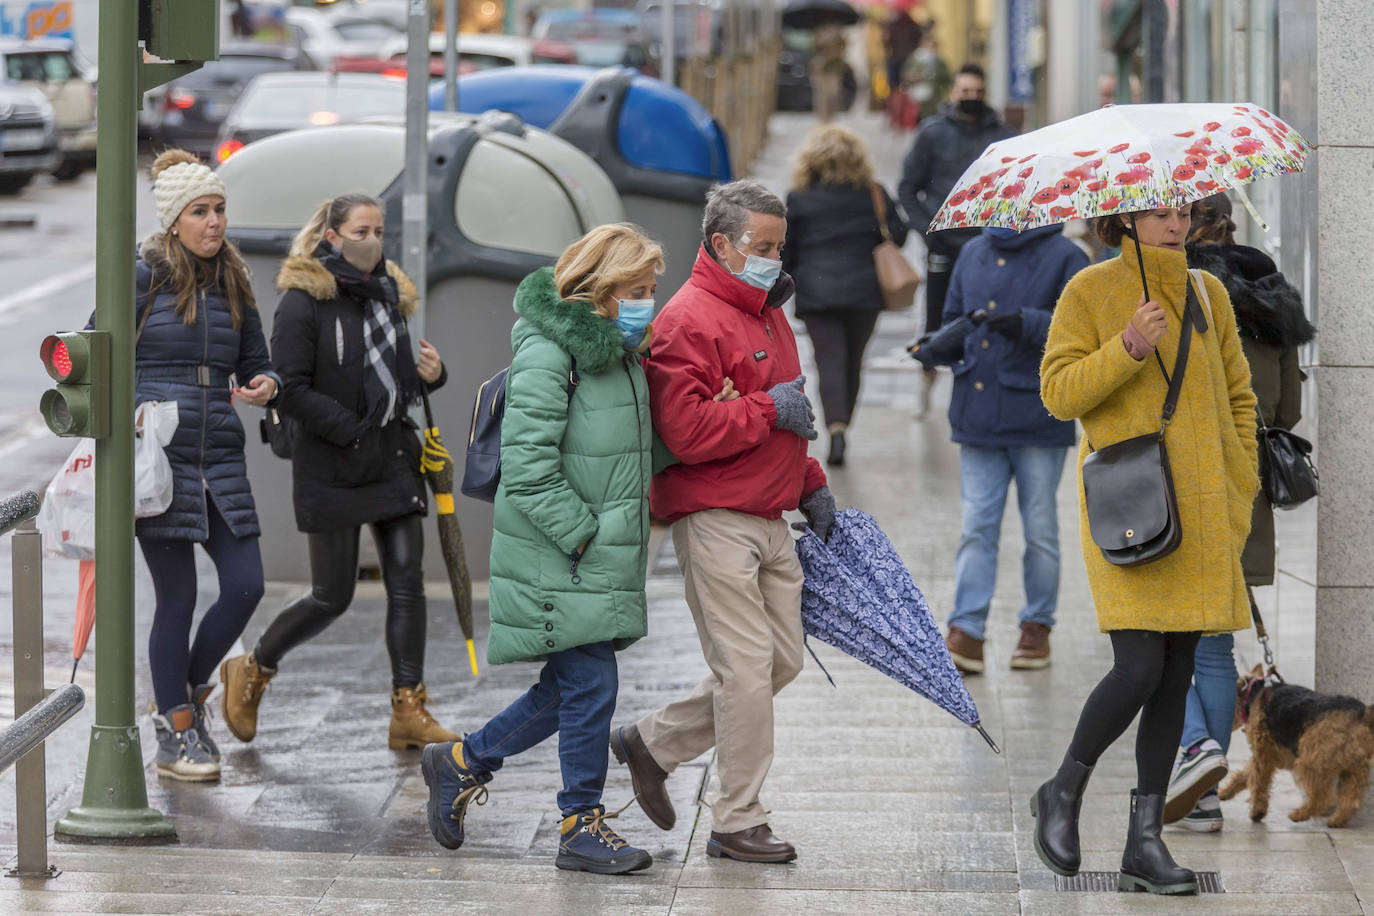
{"points": [[198, 326]]}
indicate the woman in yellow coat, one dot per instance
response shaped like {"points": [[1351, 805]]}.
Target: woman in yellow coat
{"points": [[1100, 368]]}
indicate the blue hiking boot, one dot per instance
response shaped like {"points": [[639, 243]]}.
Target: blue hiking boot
{"points": [[452, 786], [585, 843]]}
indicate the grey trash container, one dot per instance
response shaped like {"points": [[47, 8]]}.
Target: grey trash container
{"points": [[504, 200]]}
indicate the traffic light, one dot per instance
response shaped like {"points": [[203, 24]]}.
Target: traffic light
{"points": [[79, 361]]}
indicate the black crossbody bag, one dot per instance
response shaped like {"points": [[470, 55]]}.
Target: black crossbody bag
{"points": [[1128, 488]]}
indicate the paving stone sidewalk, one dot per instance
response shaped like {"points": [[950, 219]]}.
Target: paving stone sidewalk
{"points": [[895, 807]]}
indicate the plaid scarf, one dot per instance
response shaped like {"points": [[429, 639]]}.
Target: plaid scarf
{"points": [[390, 381]]}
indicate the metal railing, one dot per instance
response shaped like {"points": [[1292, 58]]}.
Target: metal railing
{"points": [[37, 713]]}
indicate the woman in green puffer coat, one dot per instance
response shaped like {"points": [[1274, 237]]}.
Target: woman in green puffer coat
{"points": [[569, 552]]}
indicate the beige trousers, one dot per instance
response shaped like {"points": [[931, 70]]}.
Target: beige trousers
{"points": [[743, 584]]}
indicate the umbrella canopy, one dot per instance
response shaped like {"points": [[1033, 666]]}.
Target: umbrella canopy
{"points": [[437, 465], [815, 14], [1121, 159], [859, 598]]}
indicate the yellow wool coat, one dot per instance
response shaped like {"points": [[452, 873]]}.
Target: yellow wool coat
{"points": [[1087, 375]]}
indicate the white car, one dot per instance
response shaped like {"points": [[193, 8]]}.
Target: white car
{"points": [[324, 37], [475, 51]]}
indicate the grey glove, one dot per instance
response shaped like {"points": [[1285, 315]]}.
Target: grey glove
{"points": [[794, 410], [819, 509]]}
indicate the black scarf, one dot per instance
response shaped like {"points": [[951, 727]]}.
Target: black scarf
{"points": [[377, 294]]}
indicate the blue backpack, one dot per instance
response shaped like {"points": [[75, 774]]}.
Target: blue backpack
{"points": [[482, 469]]}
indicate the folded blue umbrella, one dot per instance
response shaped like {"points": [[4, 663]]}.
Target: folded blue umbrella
{"points": [[859, 597]]}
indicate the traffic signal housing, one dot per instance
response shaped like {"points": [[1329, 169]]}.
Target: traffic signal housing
{"points": [[79, 361]]}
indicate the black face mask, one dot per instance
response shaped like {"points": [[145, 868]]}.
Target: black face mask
{"points": [[971, 107]]}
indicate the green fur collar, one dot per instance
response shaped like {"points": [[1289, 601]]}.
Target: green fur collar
{"points": [[593, 341]]}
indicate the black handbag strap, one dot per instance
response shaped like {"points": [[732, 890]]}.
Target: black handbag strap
{"points": [[1175, 381]]}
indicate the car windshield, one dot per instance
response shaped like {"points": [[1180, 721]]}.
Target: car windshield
{"points": [[233, 68], [39, 66], [364, 31], [601, 53], [318, 104]]}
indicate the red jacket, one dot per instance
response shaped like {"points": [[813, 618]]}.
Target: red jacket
{"points": [[717, 327]]}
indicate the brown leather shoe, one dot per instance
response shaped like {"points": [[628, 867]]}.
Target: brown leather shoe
{"points": [[1033, 651], [412, 725], [966, 651], [646, 775], [757, 844]]}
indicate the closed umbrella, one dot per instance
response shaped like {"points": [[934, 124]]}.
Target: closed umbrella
{"points": [[85, 611], [858, 597], [815, 14], [437, 465]]}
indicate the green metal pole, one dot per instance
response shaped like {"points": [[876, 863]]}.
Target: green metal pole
{"points": [[114, 803]]}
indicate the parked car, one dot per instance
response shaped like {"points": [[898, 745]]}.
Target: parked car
{"points": [[476, 51], [277, 102], [28, 137], [53, 67], [598, 37], [325, 37], [390, 12], [188, 111]]}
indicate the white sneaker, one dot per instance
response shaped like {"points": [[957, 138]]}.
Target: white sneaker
{"points": [[1199, 769], [1205, 816]]}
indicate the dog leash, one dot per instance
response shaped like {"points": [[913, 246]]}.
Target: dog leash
{"points": [[1263, 636]]}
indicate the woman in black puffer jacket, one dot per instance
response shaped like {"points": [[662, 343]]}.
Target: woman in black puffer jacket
{"points": [[832, 229], [340, 343], [198, 326]]}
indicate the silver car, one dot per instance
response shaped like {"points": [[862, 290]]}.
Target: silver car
{"points": [[28, 137]]}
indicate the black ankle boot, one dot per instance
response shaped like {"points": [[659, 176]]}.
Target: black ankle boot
{"points": [[1146, 864], [1055, 806], [836, 457]]}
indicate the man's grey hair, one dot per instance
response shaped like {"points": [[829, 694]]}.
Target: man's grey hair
{"points": [[728, 207]]}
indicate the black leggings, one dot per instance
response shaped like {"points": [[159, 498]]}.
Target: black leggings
{"points": [[333, 575], [177, 662], [1151, 676], [839, 337]]}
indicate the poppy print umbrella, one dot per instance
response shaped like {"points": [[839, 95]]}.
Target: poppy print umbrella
{"points": [[858, 597], [437, 465], [1121, 159]]}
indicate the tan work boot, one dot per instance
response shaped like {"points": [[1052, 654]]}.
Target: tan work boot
{"points": [[412, 727], [966, 651], [244, 682], [1033, 651]]}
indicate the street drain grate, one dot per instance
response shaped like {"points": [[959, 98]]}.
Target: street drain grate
{"points": [[1208, 882]]}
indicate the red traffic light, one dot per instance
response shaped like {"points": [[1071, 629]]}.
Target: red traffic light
{"points": [[56, 358]]}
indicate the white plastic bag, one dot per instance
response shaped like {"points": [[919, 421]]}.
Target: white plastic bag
{"points": [[155, 422], [67, 519]]}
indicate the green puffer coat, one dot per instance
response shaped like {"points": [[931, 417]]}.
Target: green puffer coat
{"points": [[570, 471]]}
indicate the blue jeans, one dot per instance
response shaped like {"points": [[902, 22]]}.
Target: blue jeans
{"points": [[984, 475], [1212, 698], [575, 697]]}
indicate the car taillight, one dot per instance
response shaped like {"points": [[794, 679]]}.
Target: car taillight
{"points": [[180, 99], [227, 149], [394, 73]]}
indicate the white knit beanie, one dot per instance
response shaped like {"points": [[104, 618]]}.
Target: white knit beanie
{"points": [[178, 185]]}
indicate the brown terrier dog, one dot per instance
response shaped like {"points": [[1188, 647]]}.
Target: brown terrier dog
{"points": [[1327, 741]]}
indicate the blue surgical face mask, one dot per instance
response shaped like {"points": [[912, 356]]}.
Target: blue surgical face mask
{"points": [[758, 272], [635, 315], [998, 232]]}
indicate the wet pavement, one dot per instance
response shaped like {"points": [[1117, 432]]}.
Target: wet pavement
{"points": [[894, 806]]}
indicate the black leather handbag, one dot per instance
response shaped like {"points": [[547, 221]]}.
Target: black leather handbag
{"points": [[1128, 488], [1286, 467], [276, 432]]}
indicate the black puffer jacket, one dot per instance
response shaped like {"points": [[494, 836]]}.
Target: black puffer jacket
{"points": [[945, 147], [831, 233], [206, 453], [345, 472]]}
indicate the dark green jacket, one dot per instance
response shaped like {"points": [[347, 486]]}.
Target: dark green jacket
{"points": [[570, 471]]}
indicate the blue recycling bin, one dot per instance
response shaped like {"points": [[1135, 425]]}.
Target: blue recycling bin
{"points": [[660, 147]]}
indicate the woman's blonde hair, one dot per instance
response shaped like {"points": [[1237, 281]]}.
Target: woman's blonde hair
{"points": [[833, 155], [593, 266], [187, 274], [329, 215]]}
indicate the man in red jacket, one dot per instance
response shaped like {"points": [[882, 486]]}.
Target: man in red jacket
{"points": [[743, 463]]}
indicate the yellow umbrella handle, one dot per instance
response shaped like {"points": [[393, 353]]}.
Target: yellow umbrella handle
{"points": [[472, 658]]}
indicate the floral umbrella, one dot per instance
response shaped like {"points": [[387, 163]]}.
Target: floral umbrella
{"points": [[1121, 159]]}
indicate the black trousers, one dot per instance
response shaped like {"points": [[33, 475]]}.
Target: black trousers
{"points": [[1151, 676], [839, 337], [333, 576]]}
